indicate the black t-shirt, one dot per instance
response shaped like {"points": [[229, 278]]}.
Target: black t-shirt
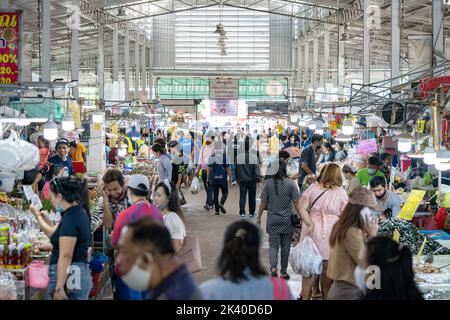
{"points": [[75, 223], [308, 156]]}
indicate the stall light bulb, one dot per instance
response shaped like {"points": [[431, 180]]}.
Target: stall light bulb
{"points": [[50, 130], [429, 156], [442, 166], [97, 118], [404, 145], [122, 152], [347, 127], [312, 125], [319, 131], [67, 123], [302, 123]]}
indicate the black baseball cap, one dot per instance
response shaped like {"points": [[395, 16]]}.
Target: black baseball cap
{"points": [[62, 141]]}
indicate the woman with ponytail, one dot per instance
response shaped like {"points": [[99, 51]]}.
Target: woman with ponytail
{"points": [[242, 277], [167, 200], [395, 266], [69, 274]]}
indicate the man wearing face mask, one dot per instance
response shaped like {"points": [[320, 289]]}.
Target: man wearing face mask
{"points": [[138, 190], [309, 158], [389, 200], [365, 175], [146, 260]]}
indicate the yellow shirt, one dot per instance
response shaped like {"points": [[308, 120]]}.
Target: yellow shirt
{"points": [[274, 145], [77, 154]]}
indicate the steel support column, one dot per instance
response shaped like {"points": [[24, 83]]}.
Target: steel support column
{"points": [[126, 63], [315, 63], [115, 53], [341, 62], [101, 61], [366, 46], [74, 54], [137, 72], [438, 35], [306, 68], [144, 65], [46, 44], [395, 42]]}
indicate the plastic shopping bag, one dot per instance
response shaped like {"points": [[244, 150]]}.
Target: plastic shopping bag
{"points": [[195, 186], [305, 258]]}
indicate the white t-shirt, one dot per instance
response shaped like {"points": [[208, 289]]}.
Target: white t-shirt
{"points": [[175, 226]]}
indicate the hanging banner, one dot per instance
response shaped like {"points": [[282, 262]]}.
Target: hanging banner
{"points": [[420, 54], [224, 108], [9, 46], [224, 89]]}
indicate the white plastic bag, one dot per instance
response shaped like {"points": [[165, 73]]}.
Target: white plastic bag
{"points": [[305, 258], [195, 186]]}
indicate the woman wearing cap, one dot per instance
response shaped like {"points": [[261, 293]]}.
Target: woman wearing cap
{"points": [[351, 179], [356, 224]]}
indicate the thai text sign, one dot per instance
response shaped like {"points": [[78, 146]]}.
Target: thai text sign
{"points": [[412, 203], [9, 47], [367, 146], [224, 108], [223, 89]]}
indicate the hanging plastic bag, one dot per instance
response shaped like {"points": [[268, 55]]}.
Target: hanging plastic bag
{"points": [[195, 186], [305, 258]]}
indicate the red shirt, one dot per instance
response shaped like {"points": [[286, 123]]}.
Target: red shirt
{"points": [[135, 212], [43, 155]]}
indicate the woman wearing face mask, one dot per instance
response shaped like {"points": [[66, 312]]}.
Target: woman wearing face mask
{"points": [[329, 153], [341, 155], [70, 239], [396, 272], [147, 261], [351, 179], [355, 225], [166, 199], [164, 163]]}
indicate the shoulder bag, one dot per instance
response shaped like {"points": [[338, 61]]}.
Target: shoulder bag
{"points": [[295, 218], [190, 255]]}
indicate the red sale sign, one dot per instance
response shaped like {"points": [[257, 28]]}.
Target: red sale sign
{"points": [[9, 47]]}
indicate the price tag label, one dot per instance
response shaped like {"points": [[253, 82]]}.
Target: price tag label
{"points": [[9, 46]]}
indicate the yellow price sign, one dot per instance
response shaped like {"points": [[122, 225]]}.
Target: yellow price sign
{"points": [[419, 254], [396, 236], [411, 204]]}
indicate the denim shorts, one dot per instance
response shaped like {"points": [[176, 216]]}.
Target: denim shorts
{"points": [[78, 283]]}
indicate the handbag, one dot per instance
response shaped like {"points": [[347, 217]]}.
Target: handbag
{"points": [[190, 255], [38, 275], [295, 218]]}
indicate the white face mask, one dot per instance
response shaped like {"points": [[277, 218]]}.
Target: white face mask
{"points": [[360, 278], [137, 278]]}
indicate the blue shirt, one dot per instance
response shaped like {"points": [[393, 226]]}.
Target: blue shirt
{"points": [[177, 286], [67, 165], [187, 145]]}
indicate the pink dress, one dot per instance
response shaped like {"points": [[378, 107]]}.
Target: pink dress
{"points": [[324, 214]]}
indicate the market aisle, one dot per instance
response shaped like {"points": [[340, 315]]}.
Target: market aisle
{"points": [[210, 229]]}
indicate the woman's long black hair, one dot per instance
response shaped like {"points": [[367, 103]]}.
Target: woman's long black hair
{"points": [[240, 252], [174, 199], [281, 173], [396, 270], [72, 189]]}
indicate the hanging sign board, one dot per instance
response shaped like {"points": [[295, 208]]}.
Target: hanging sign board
{"points": [[224, 89], [9, 46], [228, 108], [367, 146]]}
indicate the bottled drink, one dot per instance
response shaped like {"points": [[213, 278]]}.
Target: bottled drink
{"points": [[13, 256], [21, 261], [2, 255]]}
